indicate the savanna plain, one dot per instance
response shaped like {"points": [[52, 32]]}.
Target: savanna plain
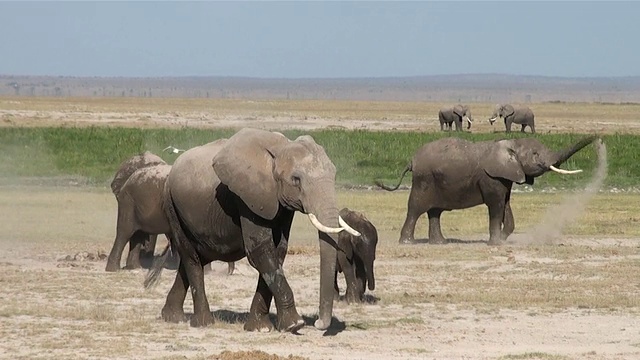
{"points": [[564, 286]]}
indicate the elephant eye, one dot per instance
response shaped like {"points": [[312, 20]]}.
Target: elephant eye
{"points": [[295, 180]]}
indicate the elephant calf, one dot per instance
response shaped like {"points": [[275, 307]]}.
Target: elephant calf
{"points": [[138, 186], [356, 262]]}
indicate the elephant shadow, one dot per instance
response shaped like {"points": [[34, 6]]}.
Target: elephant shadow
{"points": [[235, 318], [450, 241]]}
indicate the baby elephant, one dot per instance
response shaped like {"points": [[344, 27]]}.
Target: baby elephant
{"points": [[356, 262]]}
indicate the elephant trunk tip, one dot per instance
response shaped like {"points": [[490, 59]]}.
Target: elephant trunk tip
{"points": [[567, 153]]}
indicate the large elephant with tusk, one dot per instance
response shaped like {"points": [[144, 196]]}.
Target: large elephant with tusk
{"points": [[519, 114], [456, 114], [452, 173], [237, 197]]}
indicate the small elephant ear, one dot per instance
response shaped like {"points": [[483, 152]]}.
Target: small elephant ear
{"points": [[245, 165], [502, 162]]}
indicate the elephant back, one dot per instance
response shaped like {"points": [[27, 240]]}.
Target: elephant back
{"points": [[131, 165]]}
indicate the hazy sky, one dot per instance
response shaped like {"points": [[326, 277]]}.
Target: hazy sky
{"points": [[319, 39]]}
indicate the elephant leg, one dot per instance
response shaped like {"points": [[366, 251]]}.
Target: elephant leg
{"points": [[135, 246], [458, 124], [267, 259], [523, 126], [361, 277], [507, 124], [435, 233], [336, 288], [231, 267], [508, 222], [349, 271], [124, 232], [496, 216], [533, 127], [258, 319], [147, 253], [173, 310], [190, 262], [414, 210]]}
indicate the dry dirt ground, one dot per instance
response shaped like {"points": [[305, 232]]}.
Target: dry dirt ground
{"points": [[578, 298]]}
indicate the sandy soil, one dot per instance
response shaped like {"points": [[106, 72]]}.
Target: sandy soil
{"points": [[56, 301]]}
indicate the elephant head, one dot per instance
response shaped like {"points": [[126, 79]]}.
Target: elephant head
{"points": [[502, 111], [464, 113], [132, 164], [269, 172], [522, 160]]}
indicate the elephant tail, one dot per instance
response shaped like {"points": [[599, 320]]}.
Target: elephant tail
{"points": [[153, 276], [388, 188]]}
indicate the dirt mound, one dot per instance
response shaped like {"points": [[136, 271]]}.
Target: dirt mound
{"points": [[253, 355]]}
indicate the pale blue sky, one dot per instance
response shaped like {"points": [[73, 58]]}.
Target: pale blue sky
{"points": [[319, 39]]}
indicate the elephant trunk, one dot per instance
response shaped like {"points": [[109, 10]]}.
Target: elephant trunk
{"points": [[326, 210], [371, 280], [565, 154]]}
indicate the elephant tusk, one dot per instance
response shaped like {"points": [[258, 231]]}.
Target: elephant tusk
{"points": [[469, 120], [325, 229], [565, 172], [172, 149], [348, 228]]}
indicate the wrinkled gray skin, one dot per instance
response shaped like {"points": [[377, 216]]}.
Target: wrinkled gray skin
{"points": [[456, 114], [244, 205], [452, 173], [357, 258], [514, 115], [138, 186]]}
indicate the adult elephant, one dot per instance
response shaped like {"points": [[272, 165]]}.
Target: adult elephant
{"points": [[237, 197], [138, 185], [452, 173], [455, 114], [358, 255], [514, 115]]}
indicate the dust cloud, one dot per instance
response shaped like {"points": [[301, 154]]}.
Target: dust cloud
{"points": [[558, 217]]}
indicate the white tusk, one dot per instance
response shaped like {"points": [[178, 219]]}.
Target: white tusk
{"points": [[325, 229], [565, 172], [469, 120], [348, 228]]}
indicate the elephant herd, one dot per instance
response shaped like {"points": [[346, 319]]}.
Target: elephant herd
{"points": [[234, 198], [459, 113]]}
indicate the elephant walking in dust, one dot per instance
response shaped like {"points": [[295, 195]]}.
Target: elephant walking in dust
{"points": [[138, 187], [455, 114], [237, 197], [452, 173], [358, 255], [514, 115]]}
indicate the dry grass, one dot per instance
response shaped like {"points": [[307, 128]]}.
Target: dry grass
{"points": [[143, 112]]}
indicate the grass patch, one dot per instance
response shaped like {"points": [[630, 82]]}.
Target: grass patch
{"points": [[360, 156]]}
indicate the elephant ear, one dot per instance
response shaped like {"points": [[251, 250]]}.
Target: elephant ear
{"points": [[458, 110], [245, 165], [507, 110], [501, 162]]}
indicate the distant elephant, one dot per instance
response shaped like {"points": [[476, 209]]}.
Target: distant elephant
{"points": [[514, 115], [138, 186], [452, 173], [448, 116], [237, 197], [356, 259]]}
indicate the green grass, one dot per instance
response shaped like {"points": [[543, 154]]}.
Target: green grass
{"points": [[360, 156]]}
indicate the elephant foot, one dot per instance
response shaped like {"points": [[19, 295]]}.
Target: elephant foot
{"points": [[132, 266], [353, 298], [112, 267], [173, 315], [201, 320], [437, 240], [494, 242], [290, 321], [260, 323], [407, 241]]}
